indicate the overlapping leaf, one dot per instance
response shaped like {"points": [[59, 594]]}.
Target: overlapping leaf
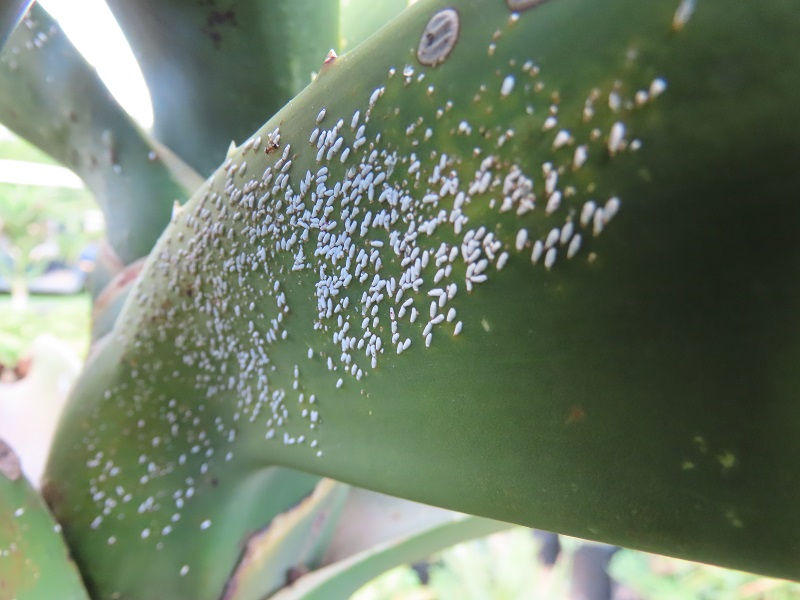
{"points": [[34, 562], [534, 266], [53, 98]]}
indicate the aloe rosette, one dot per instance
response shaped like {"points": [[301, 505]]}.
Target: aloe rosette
{"points": [[533, 261]]}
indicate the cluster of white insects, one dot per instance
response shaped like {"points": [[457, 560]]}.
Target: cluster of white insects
{"points": [[368, 245]]}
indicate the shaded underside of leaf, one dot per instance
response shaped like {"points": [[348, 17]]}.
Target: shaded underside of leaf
{"points": [[370, 519], [341, 579], [293, 543], [229, 66], [551, 280], [376, 532]]}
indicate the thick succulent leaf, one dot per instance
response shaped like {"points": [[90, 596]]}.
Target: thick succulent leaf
{"points": [[53, 98], [11, 12], [378, 532], [293, 543], [552, 281], [34, 562], [217, 70], [189, 541]]}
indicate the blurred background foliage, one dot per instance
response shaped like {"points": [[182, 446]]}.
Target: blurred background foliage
{"points": [[42, 228], [509, 566]]}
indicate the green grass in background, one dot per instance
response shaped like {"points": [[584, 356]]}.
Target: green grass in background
{"points": [[505, 567], [65, 317]]}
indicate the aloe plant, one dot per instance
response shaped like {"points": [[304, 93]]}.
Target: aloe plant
{"points": [[34, 562], [532, 261]]}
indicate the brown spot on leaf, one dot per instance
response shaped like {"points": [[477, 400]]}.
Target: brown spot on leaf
{"points": [[120, 283], [576, 414], [295, 573]]}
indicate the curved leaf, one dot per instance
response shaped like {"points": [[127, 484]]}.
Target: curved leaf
{"points": [[53, 98], [34, 563], [293, 543], [389, 532], [370, 519], [590, 210]]}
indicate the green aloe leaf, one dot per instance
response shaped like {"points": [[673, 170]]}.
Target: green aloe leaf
{"points": [[378, 532], [289, 546], [53, 98], [34, 562], [217, 70], [589, 210]]}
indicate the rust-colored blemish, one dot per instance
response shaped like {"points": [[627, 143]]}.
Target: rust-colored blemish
{"points": [[117, 285], [332, 56], [576, 415]]}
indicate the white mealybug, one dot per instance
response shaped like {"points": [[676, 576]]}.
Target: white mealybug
{"points": [[574, 245], [587, 212], [508, 85], [580, 156], [538, 248], [611, 208], [522, 238], [682, 14], [553, 203], [550, 258], [552, 237], [615, 138], [614, 101], [502, 260], [563, 138], [657, 87], [566, 232]]}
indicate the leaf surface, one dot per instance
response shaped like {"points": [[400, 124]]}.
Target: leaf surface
{"points": [[613, 334]]}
